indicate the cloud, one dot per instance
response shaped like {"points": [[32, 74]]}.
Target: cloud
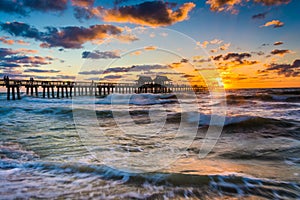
{"points": [[22, 50], [6, 52], [101, 55], [272, 2], [72, 37], [92, 72], [45, 5], [288, 70], [217, 58], [5, 40], [83, 3], [10, 57], [136, 53], [22, 59], [204, 44], [201, 60], [274, 23], [41, 71], [8, 65], [112, 77], [22, 7], [280, 52], [259, 53], [134, 68], [230, 60], [225, 46], [149, 13], [9, 6], [232, 56], [223, 5], [230, 5], [66, 77], [20, 29], [149, 48], [260, 15], [278, 43], [216, 41]]}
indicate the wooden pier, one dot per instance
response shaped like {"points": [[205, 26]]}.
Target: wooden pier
{"points": [[69, 89]]}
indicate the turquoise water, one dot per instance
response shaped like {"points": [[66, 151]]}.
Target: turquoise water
{"points": [[147, 146]]}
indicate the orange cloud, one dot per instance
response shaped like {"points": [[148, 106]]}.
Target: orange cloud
{"points": [[223, 5], [6, 41], [22, 42], [278, 43], [275, 23], [136, 53], [149, 48], [229, 5], [22, 50], [82, 3], [204, 44], [152, 13], [225, 46]]}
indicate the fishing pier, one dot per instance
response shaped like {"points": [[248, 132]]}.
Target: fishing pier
{"points": [[69, 89]]}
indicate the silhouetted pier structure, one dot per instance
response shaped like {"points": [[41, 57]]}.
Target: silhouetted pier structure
{"points": [[68, 89]]}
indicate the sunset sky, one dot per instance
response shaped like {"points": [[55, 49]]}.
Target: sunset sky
{"points": [[241, 43]]}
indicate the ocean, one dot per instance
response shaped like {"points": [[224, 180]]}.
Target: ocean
{"points": [[150, 146]]}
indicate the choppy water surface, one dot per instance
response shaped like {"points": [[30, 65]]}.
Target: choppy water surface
{"points": [[46, 153]]}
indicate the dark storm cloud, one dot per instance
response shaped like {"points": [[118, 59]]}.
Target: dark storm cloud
{"points": [[67, 37], [260, 15], [100, 55], [288, 70], [41, 71]]}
